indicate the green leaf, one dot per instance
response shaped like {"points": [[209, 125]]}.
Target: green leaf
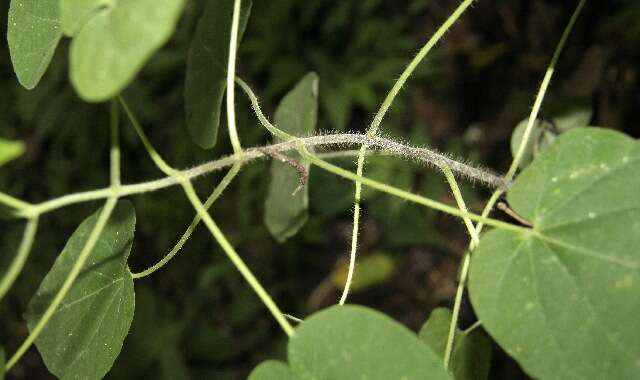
{"points": [[85, 335], [113, 40], [471, 356], [353, 342], [272, 370], [10, 150], [563, 299], [435, 330], [74, 13], [337, 101], [33, 33], [206, 78], [566, 114], [540, 138], [297, 113]]}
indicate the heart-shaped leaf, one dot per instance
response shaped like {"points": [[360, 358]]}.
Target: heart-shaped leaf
{"points": [[10, 150], [33, 33], [564, 298], [471, 356], [113, 40], [207, 68], [272, 370], [286, 212], [353, 342], [85, 335]]}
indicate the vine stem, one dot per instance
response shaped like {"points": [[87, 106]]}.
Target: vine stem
{"points": [[410, 196], [115, 144], [86, 250], [14, 203], [302, 148], [153, 154], [255, 104], [21, 257], [509, 176], [235, 142], [388, 146], [97, 229], [218, 235], [475, 239], [231, 74], [226, 180], [375, 124], [236, 259]]}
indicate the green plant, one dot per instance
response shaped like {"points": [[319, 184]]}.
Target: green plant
{"points": [[556, 287]]}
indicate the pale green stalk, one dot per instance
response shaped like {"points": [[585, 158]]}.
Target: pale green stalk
{"points": [[457, 195], [14, 203], [21, 257], [231, 74], [94, 235], [284, 136], [411, 197], [153, 154], [542, 91], [226, 180], [475, 238], [115, 144], [511, 173], [369, 182], [212, 226], [236, 259], [375, 124]]}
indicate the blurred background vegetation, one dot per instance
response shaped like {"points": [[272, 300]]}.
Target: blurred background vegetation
{"points": [[196, 318]]}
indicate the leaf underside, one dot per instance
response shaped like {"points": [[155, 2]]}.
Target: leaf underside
{"points": [[297, 114], [104, 57], [206, 72], [471, 355]]}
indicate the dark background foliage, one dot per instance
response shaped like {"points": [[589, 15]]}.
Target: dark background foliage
{"points": [[196, 318]]}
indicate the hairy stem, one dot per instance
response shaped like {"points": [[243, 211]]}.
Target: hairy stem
{"points": [[377, 120], [284, 136], [411, 197], [201, 210], [21, 257], [421, 155], [94, 235], [511, 172]]}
